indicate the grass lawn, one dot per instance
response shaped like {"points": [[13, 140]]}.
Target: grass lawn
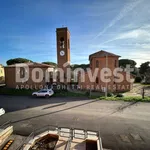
{"points": [[68, 93], [145, 84], [127, 99]]}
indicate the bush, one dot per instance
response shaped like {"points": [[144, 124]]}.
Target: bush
{"points": [[119, 95], [138, 80], [67, 94], [16, 92], [110, 94], [126, 99], [59, 88], [87, 93]]}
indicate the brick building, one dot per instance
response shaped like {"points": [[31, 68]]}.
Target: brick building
{"points": [[100, 60], [11, 73]]}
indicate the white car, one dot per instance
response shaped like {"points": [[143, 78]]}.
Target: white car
{"points": [[43, 93], [2, 111]]}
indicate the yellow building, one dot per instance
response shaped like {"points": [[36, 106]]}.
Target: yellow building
{"points": [[2, 74]]}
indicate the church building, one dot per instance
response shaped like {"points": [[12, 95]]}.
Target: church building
{"points": [[99, 60]]}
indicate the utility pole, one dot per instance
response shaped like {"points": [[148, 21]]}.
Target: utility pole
{"points": [[143, 93]]}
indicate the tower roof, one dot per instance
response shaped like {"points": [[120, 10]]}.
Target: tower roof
{"points": [[63, 29], [102, 53]]}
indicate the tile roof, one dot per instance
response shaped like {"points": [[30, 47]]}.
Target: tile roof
{"points": [[31, 65], [102, 53]]}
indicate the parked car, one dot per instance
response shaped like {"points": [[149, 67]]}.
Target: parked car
{"points": [[2, 111], [43, 93]]}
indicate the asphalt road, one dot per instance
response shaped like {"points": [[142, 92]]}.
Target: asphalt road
{"points": [[123, 125]]}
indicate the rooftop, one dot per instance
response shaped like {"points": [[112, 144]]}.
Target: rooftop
{"points": [[102, 53], [34, 64]]}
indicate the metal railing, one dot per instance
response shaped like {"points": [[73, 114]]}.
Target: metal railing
{"points": [[35, 133], [63, 132]]}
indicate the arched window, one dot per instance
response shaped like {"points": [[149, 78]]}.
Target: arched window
{"points": [[22, 72], [62, 42], [61, 39], [97, 64], [97, 81]]}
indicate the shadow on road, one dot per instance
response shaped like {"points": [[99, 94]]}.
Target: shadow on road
{"points": [[53, 112], [15, 103], [54, 106]]}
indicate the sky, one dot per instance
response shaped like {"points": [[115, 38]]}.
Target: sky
{"points": [[28, 28]]}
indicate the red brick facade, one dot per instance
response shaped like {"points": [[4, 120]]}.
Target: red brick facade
{"points": [[100, 60], [10, 76]]}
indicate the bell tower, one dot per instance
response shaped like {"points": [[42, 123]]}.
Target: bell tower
{"points": [[63, 48]]}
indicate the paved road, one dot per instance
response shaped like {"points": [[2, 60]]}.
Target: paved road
{"points": [[123, 125]]}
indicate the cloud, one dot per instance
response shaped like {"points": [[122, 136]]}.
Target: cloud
{"points": [[139, 56], [126, 9], [135, 34], [139, 34]]}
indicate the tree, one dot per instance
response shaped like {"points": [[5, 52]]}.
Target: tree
{"points": [[144, 67], [50, 63], [17, 60], [83, 66], [124, 62], [147, 76]]}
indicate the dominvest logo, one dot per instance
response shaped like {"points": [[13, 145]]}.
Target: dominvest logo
{"points": [[106, 75]]}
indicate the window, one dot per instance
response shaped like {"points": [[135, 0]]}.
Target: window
{"points": [[65, 76], [61, 39], [62, 42], [42, 91], [97, 64], [22, 72], [51, 74], [51, 80], [97, 81]]}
